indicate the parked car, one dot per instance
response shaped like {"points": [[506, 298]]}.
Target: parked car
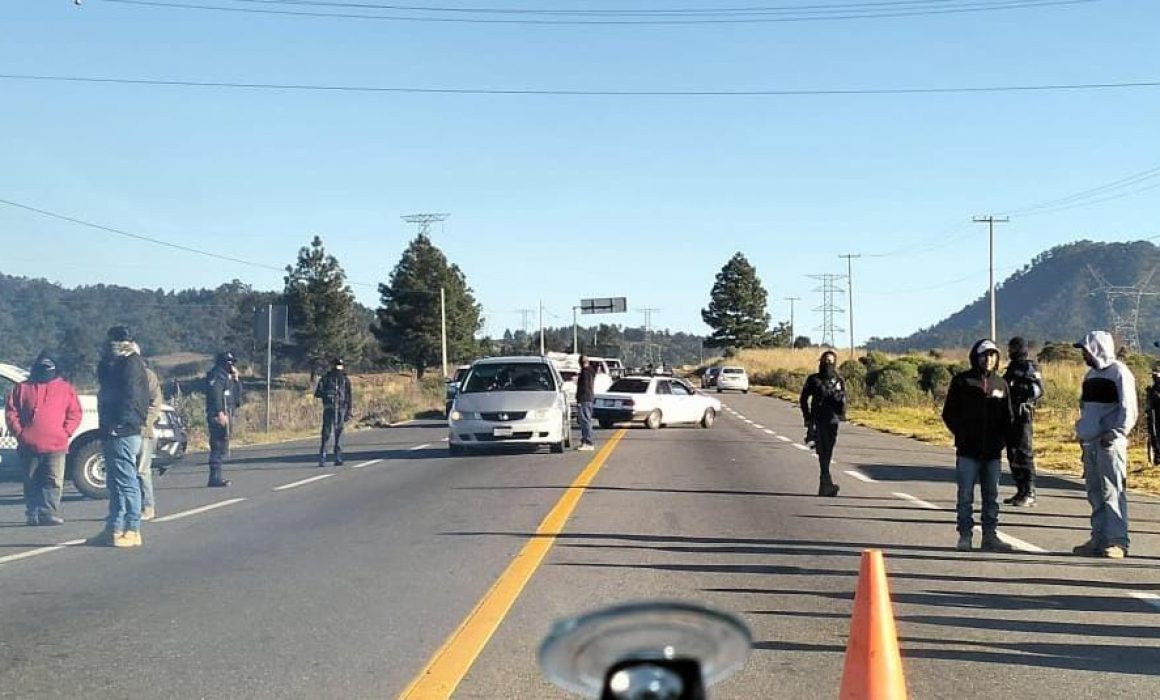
{"points": [[511, 400], [733, 379], [86, 465], [453, 386], [709, 378], [655, 401]]}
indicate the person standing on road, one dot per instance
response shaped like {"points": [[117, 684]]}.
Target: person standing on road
{"points": [[43, 413], [337, 405], [1108, 410], [979, 415], [585, 400], [122, 406], [1152, 407], [149, 446], [221, 402], [823, 404], [1026, 385]]}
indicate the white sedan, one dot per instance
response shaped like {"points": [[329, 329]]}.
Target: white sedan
{"points": [[656, 401]]}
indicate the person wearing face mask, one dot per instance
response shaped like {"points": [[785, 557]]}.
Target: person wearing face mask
{"points": [[1108, 410], [978, 413], [1152, 408], [337, 405], [823, 405], [1026, 385]]}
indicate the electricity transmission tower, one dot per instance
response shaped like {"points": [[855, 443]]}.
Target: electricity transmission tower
{"points": [[1125, 317], [648, 348], [424, 221], [828, 308]]}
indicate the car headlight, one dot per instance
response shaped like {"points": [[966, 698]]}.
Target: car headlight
{"points": [[464, 415]]}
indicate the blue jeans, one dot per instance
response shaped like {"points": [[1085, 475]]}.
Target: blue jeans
{"points": [[145, 470], [121, 479], [984, 472], [585, 420], [1105, 468]]}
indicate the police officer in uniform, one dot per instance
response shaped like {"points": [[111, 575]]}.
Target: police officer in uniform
{"points": [[222, 398], [1026, 385], [337, 403], [823, 404], [1152, 410]]}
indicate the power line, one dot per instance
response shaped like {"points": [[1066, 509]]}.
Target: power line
{"points": [[1085, 197], [152, 240], [752, 17], [560, 92]]}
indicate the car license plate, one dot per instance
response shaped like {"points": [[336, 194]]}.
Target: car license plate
{"points": [[502, 431]]}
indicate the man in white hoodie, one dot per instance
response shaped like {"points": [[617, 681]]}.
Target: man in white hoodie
{"points": [[1108, 410]]}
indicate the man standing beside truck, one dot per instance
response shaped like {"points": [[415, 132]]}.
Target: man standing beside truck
{"points": [[42, 414]]}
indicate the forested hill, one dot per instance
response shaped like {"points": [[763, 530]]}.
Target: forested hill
{"points": [[1055, 297], [37, 314]]}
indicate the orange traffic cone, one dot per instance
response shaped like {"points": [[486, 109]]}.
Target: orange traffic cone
{"points": [[873, 668]]}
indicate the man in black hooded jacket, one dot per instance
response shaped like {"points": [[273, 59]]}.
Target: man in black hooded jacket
{"points": [[823, 404], [978, 413], [1026, 385]]}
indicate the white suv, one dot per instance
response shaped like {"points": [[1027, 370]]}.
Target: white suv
{"points": [[733, 379]]}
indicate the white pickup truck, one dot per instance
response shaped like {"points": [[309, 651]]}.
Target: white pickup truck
{"points": [[86, 465]]}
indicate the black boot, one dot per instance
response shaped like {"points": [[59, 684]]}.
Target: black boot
{"points": [[338, 458], [215, 479], [827, 487], [321, 460]]}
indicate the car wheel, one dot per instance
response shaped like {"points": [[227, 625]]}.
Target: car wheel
{"points": [[558, 448], [567, 444], [606, 424], [745, 391], [709, 418], [456, 450], [653, 422], [88, 470], [718, 390]]}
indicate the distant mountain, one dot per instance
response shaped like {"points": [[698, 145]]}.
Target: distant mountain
{"points": [[1057, 297]]}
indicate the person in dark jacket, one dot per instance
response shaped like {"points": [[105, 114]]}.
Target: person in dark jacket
{"points": [[1152, 412], [978, 413], [337, 406], [1026, 385], [585, 400], [122, 408], [823, 404], [43, 413], [221, 403]]}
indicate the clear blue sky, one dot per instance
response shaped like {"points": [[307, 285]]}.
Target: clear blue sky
{"points": [[566, 197]]}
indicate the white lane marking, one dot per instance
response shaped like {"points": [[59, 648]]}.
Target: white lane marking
{"points": [[368, 463], [916, 501], [748, 421], [195, 511], [1015, 542], [784, 438], [303, 482], [759, 426], [402, 422], [420, 447], [860, 476], [1149, 598], [801, 447], [770, 432], [38, 551]]}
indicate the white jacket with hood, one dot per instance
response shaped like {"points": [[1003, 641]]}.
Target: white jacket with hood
{"points": [[1108, 403]]}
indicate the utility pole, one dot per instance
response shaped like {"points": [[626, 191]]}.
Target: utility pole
{"points": [[443, 326], [850, 289], [575, 330], [991, 221], [792, 332], [541, 327]]}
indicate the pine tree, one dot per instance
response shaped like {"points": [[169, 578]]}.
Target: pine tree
{"points": [[408, 317], [322, 309], [736, 310]]}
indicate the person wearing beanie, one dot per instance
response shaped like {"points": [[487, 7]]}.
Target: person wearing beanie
{"points": [[43, 413], [823, 405], [337, 405], [122, 409], [222, 398], [978, 413], [1026, 384]]}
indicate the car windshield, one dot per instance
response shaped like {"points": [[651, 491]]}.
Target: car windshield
{"points": [[630, 386], [510, 376], [733, 370]]}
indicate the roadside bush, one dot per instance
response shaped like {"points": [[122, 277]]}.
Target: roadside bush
{"points": [[935, 379], [854, 373], [897, 382], [1059, 352], [874, 361]]}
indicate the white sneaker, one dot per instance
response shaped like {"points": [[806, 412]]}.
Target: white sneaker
{"points": [[585, 448]]}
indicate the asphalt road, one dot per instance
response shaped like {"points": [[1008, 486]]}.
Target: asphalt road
{"points": [[346, 586]]}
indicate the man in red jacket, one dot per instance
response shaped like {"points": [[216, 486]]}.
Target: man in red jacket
{"points": [[42, 414]]}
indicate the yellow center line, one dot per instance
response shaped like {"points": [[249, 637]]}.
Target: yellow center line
{"points": [[454, 659]]}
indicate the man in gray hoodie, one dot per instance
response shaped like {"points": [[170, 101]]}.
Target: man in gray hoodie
{"points": [[1108, 410]]}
